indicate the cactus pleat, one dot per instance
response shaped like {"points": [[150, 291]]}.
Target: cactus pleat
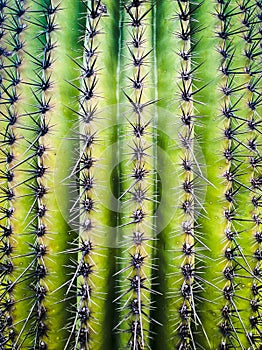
{"points": [[251, 52], [15, 208], [181, 240], [234, 269], [250, 17], [130, 174], [32, 235], [232, 264], [136, 229], [247, 126], [91, 273]]}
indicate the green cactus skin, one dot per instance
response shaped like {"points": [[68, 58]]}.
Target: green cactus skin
{"points": [[130, 174]]}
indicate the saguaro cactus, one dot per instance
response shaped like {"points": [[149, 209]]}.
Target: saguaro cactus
{"points": [[130, 174]]}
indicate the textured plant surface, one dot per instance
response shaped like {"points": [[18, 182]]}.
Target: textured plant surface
{"points": [[130, 174]]}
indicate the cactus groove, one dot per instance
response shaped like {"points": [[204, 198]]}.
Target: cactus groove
{"points": [[130, 174]]}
